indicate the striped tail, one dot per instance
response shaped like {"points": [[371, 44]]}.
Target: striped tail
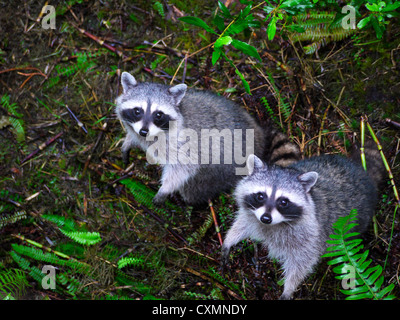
{"points": [[279, 149]]}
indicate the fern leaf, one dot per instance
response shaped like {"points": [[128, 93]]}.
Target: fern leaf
{"points": [[144, 195], [60, 221], [68, 227], [83, 237], [346, 251], [12, 218], [137, 262], [13, 280], [159, 8]]}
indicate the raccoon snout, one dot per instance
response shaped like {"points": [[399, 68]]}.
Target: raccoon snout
{"points": [[143, 132], [266, 218]]}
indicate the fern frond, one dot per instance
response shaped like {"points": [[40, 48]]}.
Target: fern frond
{"points": [[319, 27], [159, 8], [200, 233], [270, 112], [13, 280], [68, 228], [83, 237], [136, 262], [345, 250], [144, 195], [215, 275], [60, 221], [33, 271], [72, 284], [16, 122], [5, 220]]}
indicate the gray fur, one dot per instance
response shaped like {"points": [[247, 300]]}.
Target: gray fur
{"points": [[197, 110], [325, 187]]}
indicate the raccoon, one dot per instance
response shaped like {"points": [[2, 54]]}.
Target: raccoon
{"points": [[151, 112], [291, 210]]}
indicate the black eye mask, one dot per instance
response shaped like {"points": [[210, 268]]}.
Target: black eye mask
{"points": [[161, 120], [132, 115]]}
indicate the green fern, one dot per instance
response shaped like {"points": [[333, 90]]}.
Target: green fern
{"points": [[83, 237], [48, 257], [82, 64], [13, 280], [228, 284], [200, 232], [159, 8], [136, 262], [319, 27], [60, 221], [15, 120], [5, 220], [270, 112], [345, 250], [144, 195], [33, 271], [69, 229]]}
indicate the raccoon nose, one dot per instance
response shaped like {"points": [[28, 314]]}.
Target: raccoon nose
{"points": [[266, 218], [143, 132]]}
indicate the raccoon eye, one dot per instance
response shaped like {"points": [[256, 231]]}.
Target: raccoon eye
{"points": [[283, 202], [137, 111], [260, 197], [158, 115]]}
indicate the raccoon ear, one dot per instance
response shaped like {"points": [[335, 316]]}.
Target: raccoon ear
{"points": [[308, 179], [253, 163], [178, 92], [128, 81]]}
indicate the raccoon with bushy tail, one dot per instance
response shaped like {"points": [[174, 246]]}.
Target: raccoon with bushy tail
{"points": [[148, 110], [291, 210]]}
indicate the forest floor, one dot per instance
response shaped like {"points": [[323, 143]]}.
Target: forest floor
{"points": [[60, 148]]}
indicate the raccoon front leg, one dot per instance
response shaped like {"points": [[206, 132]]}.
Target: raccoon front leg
{"points": [[238, 232], [126, 148], [125, 156], [173, 178], [295, 271]]}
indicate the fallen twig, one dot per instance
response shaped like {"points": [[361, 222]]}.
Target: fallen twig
{"points": [[42, 146], [215, 222]]}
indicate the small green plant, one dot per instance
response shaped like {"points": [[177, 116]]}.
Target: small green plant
{"points": [[144, 196], [280, 12], [12, 281], [82, 61], [362, 281], [226, 27], [378, 14], [15, 119], [157, 6], [9, 219], [68, 228]]}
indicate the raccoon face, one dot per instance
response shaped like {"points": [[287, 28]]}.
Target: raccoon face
{"points": [[274, 195], [271, 206], [148, 109]]}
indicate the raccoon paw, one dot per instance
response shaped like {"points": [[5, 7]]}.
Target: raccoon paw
{"points": [[285, 297], [224, 259], [159, 198], [125, 157]]}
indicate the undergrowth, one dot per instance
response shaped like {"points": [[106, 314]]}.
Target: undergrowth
{"points": [[359, 279]]}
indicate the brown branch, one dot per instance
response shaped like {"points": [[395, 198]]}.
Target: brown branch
{"points": [[42, 146]]}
